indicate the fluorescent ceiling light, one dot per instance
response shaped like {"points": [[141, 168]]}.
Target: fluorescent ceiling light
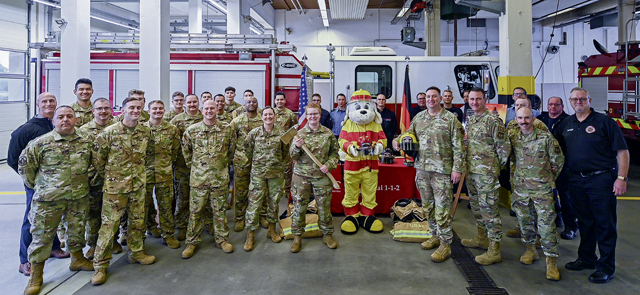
{"points": [[47, 3], [217, 5], [323, 12], [402, 12], [113, 22]]}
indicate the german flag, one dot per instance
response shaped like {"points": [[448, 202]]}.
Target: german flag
{"points": [[405, 118]]}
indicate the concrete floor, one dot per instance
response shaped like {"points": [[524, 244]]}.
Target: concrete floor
{"points": [[363, 264]]}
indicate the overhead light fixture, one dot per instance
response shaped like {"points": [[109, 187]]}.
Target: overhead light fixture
{"points": [[402, 12], [323, 12], [47, 3], [62, 22], [218, 6], [114, 23], [406, 7]]}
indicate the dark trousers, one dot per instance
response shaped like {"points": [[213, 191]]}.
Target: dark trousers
{"points": [[566, 208], [595, 206], [25, 233]]}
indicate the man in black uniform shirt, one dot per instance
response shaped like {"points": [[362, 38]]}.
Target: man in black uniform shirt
{"points": [[389, 120], [597, 159], [447, 98], [422, 105], [325, 117]]}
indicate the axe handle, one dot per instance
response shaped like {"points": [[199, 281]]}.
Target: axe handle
{"points": [[315, 160]]}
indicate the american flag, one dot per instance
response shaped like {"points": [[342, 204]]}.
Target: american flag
{"points": [[304, 99]]}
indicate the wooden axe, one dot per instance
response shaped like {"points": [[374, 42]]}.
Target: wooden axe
{"points": [[287, 138]]}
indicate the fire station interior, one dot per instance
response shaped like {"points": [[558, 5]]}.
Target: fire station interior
{"points": [[206, 45]]}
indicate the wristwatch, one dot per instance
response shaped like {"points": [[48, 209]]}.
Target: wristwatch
{"points": [[623, 178]]}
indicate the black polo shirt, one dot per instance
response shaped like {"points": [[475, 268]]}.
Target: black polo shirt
{"points": [[591, 145], [389, 125], [456, 111]]}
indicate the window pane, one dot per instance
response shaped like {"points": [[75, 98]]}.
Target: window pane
{"points": [[375, 79], [12, 62], [469, 76], [11, 90]]}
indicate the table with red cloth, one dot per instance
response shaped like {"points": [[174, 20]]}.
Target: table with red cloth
{"points": [[395, 181]]}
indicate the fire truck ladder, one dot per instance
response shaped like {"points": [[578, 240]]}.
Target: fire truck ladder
{"points": [[633, 97]]}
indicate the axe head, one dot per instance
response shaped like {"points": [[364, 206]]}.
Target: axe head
{"points": [[288, 136]]}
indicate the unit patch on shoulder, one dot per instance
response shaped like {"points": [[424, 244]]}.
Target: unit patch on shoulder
{"points": [[590, 129], [500, 134], [22, 161]]}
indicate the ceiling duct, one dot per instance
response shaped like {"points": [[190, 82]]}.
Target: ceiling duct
{"points": [[347, 9]]}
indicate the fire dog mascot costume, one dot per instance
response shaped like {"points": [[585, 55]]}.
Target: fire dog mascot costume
{"points": [[362, 139]]}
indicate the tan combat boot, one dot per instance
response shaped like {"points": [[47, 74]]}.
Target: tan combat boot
{"points": [[514, 233], [273, 234], [91, 252], [530, 255], [297, 243], [431, 243], [263, 222], [225, 246], [181, 235], [329, 241], [239, 226], [78, 262], [35, 281], [141, 258], [117, 248], [99, 277], [442, 253], [480, 241], [155, 232], [552, 270], [188, 252], [171, 242], [492, 255], [248, 245]]}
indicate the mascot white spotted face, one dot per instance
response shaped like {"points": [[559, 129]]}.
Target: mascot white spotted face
{"points": [[362, 112]]}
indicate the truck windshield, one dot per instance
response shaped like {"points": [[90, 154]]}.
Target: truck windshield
{"points": [[375, 79]]}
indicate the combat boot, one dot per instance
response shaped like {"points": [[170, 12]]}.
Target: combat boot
{"points": [[263, 222], [552, 270], [117, 248], [141, 258], [35, 281], [78, 262], [275, 237], [248, 244], [155, 232], [188, 252], [442, 253], [480, 241], [91, 252], [171, 242], [514, 233], [329, 241], [239, 225], [530, 255], [297, 243], [99, 277], [492, 255], [225, 246], [430, 243], [182, 234]]}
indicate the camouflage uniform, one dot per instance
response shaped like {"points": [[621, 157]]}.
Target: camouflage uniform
{"points": [[488, 149], [266, 151], [181, 173], [57, 167], [207, 152], [229, 108], [513, 126], [241, 165], [120, 155], [224, 118], [441, 152], [144, 117], [168, 116], [239, 111], [84, 115], [308, 179], [91, 131], [164, 148], [538, 160], [286, 119]]}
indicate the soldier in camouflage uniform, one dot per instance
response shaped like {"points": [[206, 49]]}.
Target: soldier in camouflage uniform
{"points": [[102, 119], [165, 146], [177, 99], [310, 179], [119, 153], [488, 149], [56, 166], [538, 160], [230, 103], [222, 116], [207, 148], [138, 94], [245, 97], [181, 172], [266, 152], [241, 125], [285, 119], [83, 107], [439, 166]]}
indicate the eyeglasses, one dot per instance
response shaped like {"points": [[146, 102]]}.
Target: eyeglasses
{"points": [[581, 99], [554, 104], [519, 94]]}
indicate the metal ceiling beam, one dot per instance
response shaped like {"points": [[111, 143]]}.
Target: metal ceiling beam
{"points": [[497, 6], [580, 14]]}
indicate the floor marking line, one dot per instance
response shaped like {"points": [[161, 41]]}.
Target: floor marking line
{"points": [[13, 193], [629, 198]]}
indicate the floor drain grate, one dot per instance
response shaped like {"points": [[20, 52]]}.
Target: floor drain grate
{"points": [[479, 281]]}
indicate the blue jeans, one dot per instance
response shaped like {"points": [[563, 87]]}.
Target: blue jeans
{"points": [[25, 233]]}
